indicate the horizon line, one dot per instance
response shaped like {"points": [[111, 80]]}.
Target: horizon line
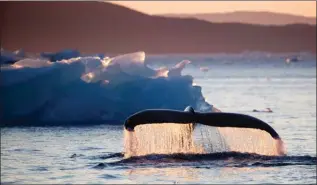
{"points": [[227, 12], [143, 7]]}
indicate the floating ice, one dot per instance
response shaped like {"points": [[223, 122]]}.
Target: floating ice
{"points": [[91, 89]]}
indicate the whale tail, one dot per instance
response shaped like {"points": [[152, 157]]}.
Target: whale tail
{"points": [[189, 116]]}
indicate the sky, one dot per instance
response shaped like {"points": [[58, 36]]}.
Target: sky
{"points": [[304, 8]]}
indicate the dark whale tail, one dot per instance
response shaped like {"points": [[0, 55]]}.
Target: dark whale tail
{"points": [[189, 116]]}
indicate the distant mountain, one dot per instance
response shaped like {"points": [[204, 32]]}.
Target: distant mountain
{"points": [[100, 27], [262, 18]]}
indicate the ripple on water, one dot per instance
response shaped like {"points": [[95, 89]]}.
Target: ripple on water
{"points": [[39, 169], [90, 148], [225, 159], [107, 176], [25, 150], [61, 177]]}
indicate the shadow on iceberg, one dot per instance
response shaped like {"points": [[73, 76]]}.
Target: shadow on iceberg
{"points": [[7, 57], [61, 55]]}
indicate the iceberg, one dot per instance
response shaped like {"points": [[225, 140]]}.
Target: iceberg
{"points": [[92, 89]]}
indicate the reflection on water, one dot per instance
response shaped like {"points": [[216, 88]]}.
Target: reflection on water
{"points": [[186, 174], [233, 172]]}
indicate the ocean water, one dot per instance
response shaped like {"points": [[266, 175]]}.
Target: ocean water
{"points": [[93, 154]]}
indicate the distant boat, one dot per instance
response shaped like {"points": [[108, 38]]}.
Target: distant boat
{"points": [[268, 110], [204, 69], [292, 59]]}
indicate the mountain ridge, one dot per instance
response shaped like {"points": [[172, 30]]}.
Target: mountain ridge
{"points": [[250, 17], [99, 27]]}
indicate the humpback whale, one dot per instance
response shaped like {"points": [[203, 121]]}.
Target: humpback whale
{"points": [[189, 116]]}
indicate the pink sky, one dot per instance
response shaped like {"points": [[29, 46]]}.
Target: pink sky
{"points": [[305, 8]]}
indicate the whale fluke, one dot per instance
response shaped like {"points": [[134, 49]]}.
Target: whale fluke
{"points": [[189, 116]]}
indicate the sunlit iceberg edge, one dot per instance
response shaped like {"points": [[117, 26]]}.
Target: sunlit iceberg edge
{"points": [[87, 90]]}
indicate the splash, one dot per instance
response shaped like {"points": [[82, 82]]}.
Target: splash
{"points": [[247, 140], [242, 140], [166, 138], [172, 138]]}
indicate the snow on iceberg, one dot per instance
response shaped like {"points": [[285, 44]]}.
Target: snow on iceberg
{"points": [[92, 89], [61, 55]]}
